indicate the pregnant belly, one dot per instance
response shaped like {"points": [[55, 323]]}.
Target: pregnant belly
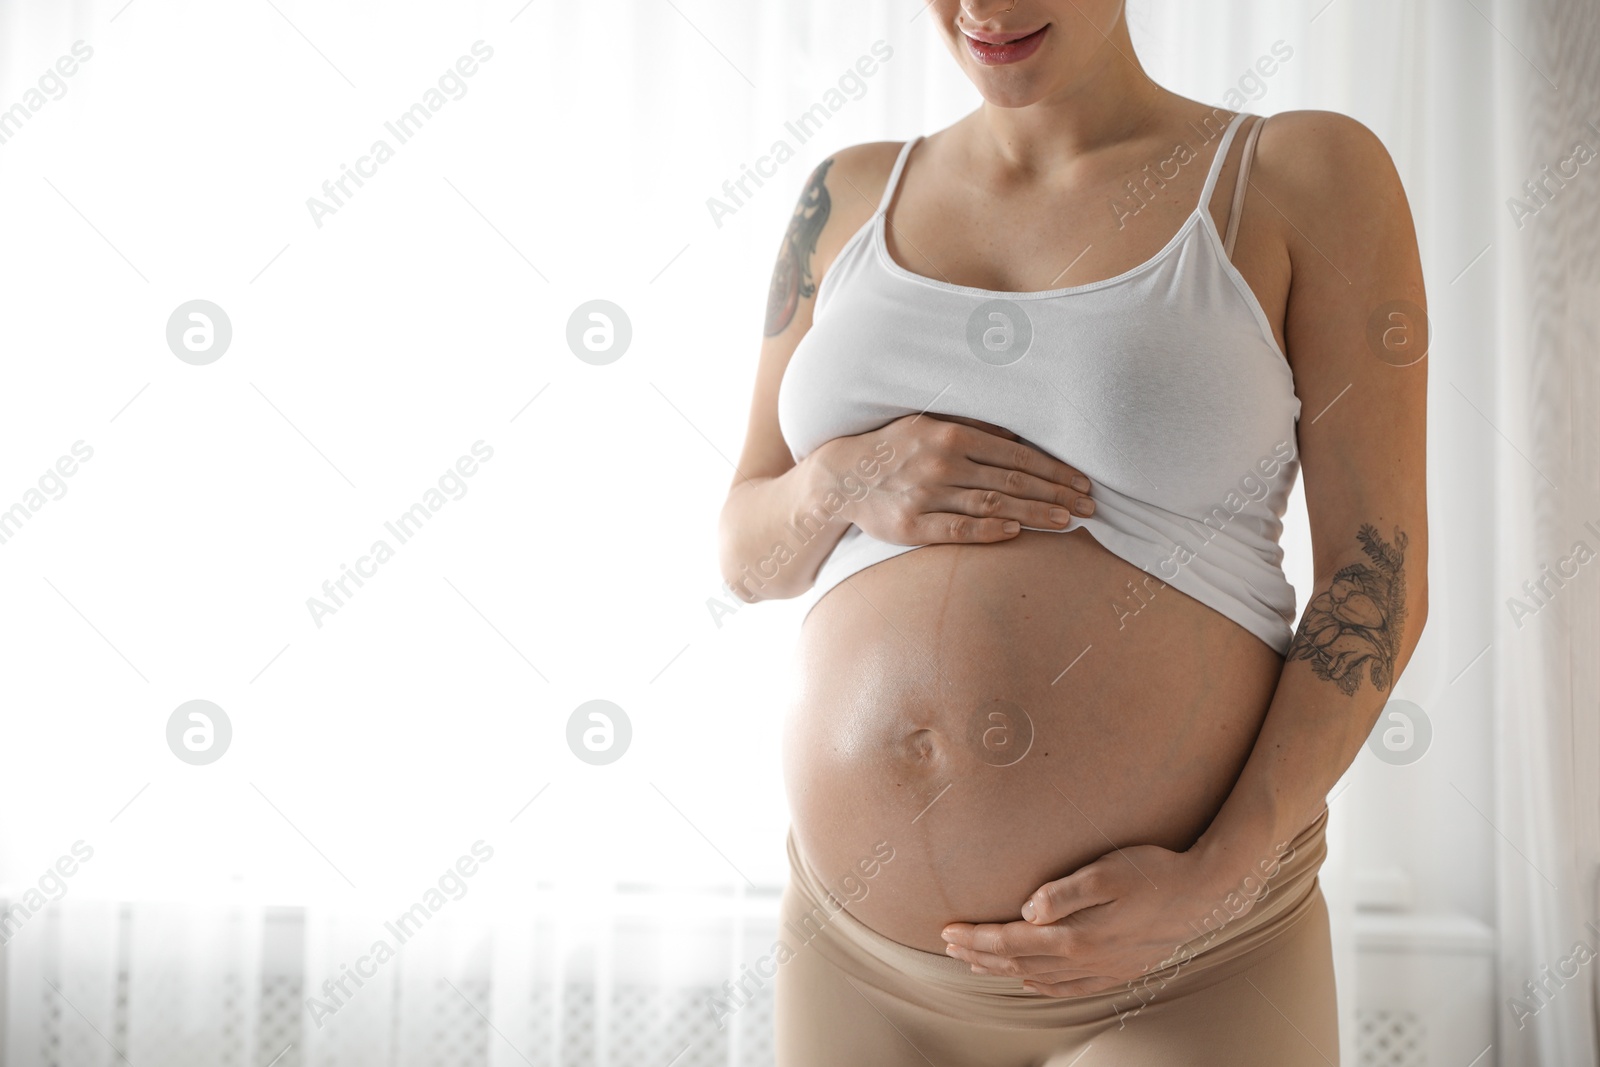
{"points": [[995, 716]]}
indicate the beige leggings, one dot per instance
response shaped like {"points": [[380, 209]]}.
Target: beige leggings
{"points": [[1253, 991]]}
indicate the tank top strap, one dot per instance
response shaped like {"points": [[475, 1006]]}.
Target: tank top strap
{"points": [[894, 175], [1246, 154], [1218, 158]]}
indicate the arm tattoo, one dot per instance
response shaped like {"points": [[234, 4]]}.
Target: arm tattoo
{"points": [[791, 278], [1358, 620]]}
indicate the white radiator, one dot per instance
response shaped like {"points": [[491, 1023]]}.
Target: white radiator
{"points": [[1425, 987], [85, 984]]}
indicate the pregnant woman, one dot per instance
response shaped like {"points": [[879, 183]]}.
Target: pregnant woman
{"points": [[1028, 412]]}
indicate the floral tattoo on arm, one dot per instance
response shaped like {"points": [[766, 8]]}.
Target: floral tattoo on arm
{"points": [[1354, 628]]}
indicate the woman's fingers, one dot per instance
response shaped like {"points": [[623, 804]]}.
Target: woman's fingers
{"points": [[991, 451], [1041, 968], [982, 516], [948, 527], [1016, 481], [1093, 884], [959, 483], [1078, 988], [1027, 510]]}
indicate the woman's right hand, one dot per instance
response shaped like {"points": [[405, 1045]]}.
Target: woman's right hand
{"points": [[949, 481]]}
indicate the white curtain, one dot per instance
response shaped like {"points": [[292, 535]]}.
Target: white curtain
{"points": [[1546, 501], [373, 345]]}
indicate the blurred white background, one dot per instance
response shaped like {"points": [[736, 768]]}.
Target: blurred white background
{"points": [[374, 346]]}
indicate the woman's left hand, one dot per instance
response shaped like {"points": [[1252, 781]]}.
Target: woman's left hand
{"points": [[1107, 923]]}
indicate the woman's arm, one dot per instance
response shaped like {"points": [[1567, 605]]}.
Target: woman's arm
{"points": [[1357, 333], [782, 519], [933, 479]]}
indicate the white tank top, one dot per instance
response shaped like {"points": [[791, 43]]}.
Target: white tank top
{"points": [[1164, 384]]}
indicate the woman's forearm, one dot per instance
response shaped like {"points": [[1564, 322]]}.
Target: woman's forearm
{"points": [[775, 532], [1355, 638]]}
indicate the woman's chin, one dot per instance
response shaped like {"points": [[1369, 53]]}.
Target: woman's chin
{"points": [[1007, 88], [1008, 96]]}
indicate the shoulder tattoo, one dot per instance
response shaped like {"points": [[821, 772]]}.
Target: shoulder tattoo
{"points": [[791, 277]]}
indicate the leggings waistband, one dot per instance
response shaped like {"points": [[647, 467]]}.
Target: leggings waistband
{"points": [[1225, 946]]}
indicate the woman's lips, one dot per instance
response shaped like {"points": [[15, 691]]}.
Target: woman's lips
{"points": [[1016, 51]]}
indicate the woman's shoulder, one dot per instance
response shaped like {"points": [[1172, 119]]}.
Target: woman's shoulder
{"points": [[1320, 138], [1330, 181], [1322, 161], [856, 176]]}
